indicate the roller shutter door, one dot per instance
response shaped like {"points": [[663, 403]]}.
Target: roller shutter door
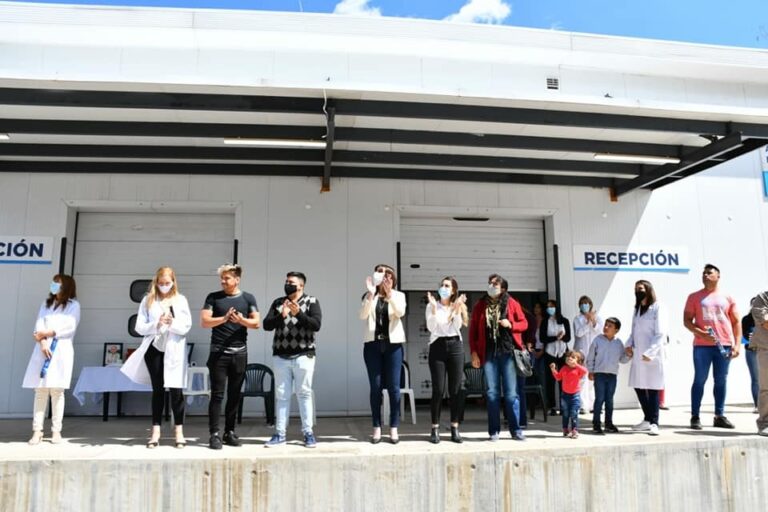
{"points": [[431, 248]]}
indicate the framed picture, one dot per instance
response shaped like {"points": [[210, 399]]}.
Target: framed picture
{"points": [[129, 351], [113, 354]]}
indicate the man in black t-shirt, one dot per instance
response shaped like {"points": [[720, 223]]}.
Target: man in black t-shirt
{"points": [[230, 313]]}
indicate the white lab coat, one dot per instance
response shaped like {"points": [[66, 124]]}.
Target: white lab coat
{"points": [[175, 356], [647, 339], [584, 332], [64, 322]]}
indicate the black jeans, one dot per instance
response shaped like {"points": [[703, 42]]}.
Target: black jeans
{"points": [[549, 380], [446, 354], [154, 359], [649, 402], [227, 372]]}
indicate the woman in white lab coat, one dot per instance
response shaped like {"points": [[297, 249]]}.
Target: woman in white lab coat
{"points": [[646, 348], [161, 360], [49, 371], [587, 325]]}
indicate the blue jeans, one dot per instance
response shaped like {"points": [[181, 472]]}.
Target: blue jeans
{"points": [[754, 373], [293, 375], [384, 362], [501, 368], [521, 406], [570, 403], [605, 388], [703, 358]]}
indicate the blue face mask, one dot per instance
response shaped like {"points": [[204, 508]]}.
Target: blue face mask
{"points": [[55, 287], [444, 292], [551, 311], [584, 308]]}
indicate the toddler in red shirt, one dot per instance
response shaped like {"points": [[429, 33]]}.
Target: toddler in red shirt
{"points": [[570, 377]]}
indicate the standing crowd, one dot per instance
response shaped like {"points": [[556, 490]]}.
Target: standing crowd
{"points": [[579, 365]]}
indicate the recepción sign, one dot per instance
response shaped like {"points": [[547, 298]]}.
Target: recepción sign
{"points": [[26, 250], [630, 259]]}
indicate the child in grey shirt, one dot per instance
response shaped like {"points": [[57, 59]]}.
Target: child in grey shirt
{"points": [[605, 354]]}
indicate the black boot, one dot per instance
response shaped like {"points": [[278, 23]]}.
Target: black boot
{"points": [[455, 436], [434, 435]]}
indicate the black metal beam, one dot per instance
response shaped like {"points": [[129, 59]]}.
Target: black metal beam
{"points": [[490, 140], [301, 170], [330, 135], [352, 107], [748, 146], [160, 100], [491, 162], [696, 159], [344, 134], [312, 155]]}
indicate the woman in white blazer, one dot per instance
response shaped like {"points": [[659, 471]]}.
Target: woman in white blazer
{"points": [[382, 314], [646, 348], [161, 360], [49, 371]]}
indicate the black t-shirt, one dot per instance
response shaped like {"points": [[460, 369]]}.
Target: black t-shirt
{"points": [[230, 337]]}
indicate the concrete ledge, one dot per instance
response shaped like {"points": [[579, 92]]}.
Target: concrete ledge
{"points": [[711, 470]]}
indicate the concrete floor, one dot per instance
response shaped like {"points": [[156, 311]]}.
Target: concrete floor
{"points": [[124, 438]]}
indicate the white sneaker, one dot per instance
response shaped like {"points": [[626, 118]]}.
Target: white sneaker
{"points": [[755, 411], [653, 430], [643, 426], [764, 432]]}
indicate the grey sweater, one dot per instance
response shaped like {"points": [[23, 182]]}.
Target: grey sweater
{"points": [[759, 312], [605, 355]]}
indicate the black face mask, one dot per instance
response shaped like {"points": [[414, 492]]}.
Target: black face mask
{"points": [[289, 288], [639, 295]]}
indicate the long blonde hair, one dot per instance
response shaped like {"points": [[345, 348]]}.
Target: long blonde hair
{"points": [[152, 293]]}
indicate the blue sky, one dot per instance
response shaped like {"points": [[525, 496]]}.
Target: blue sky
{"points": [[735, 23]]}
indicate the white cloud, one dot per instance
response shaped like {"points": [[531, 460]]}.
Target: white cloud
{"points": [[482, 11], [356, 8]]}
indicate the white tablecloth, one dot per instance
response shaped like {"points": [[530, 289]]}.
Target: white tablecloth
{"points": [[102, 379]]}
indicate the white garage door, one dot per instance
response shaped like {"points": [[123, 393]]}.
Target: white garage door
{"points": [[114, 249], [432, 248]]}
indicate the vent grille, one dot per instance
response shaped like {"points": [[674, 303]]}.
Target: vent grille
{"points": [[553, 83]]}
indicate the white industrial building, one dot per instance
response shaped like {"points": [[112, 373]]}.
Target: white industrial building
{"points": [[444, 149]]}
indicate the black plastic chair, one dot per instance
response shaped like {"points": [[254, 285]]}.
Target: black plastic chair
{"points": [[254, 386], [474, 385], [138, 289], [535, 387]]}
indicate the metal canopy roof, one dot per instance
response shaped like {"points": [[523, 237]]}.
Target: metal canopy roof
{"points": [[111, 131]]}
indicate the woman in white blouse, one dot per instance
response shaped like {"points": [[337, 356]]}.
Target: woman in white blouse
{"points": [[382, 314], [49, 371], [161, 360], [446, 352]]}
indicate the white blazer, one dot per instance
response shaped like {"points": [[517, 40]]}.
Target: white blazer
{"points": [[396, 313], [647, 339], [175, 358], [64, 322]]}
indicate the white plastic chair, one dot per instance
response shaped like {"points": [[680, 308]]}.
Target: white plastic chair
{"points": [[405, 389], [198, 383]]}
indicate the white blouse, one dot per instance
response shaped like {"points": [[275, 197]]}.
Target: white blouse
{"points": [[442, 323]]}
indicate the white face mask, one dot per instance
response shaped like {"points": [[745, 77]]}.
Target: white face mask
{"points": [[493, 291], [164, 288], [378, 277]]}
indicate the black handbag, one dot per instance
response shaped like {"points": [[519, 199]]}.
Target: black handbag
{"points": [[523, 364]]}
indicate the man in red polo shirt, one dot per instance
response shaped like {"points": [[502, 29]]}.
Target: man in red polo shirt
{"points": [[707, 309]]}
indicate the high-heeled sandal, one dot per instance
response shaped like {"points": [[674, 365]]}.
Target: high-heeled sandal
{"points": [[37, 436]]}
